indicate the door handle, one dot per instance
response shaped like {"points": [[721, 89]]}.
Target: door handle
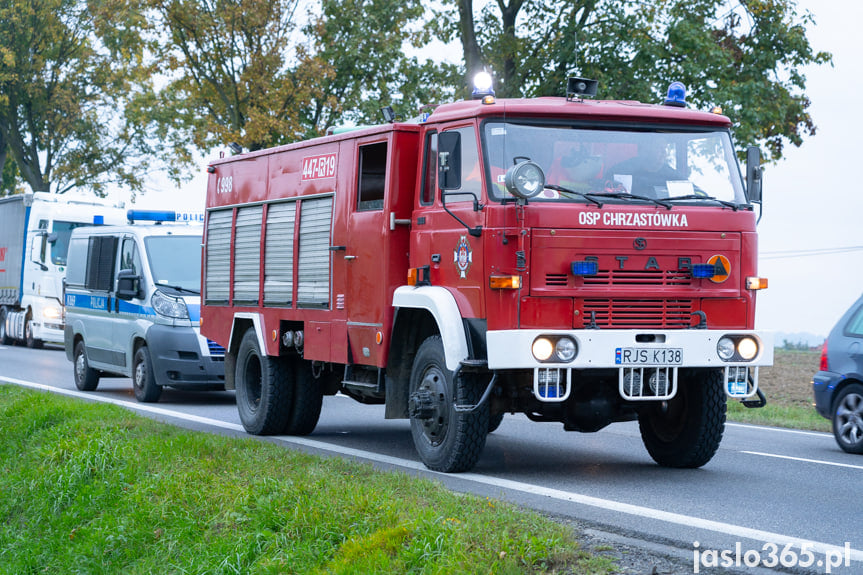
{"points": [[350, 258]]}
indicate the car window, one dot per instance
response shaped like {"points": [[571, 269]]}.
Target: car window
{"points": [[855, 326]]}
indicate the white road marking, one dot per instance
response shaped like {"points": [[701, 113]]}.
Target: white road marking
{"points": [[780, 429], [804, 460], [577, 498]]}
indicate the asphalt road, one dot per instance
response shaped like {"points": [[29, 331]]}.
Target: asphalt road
{"points": [[781, 497]]}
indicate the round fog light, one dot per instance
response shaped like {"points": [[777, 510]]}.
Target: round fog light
{"points": [[565, 349], [725, 348], [542, 348], [747, 348]]}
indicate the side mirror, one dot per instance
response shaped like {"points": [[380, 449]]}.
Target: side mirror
{"points": [[753, 174], [128, 285], [449, 160]]}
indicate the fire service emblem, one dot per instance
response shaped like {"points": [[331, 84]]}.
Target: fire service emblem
{"points": [[463, 256]]}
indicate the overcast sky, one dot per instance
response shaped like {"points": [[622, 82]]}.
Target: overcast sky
{"points": [[813, 200]]}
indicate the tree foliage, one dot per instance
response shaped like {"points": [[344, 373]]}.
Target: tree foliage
{"points": [[66, 70], [745, 56]]}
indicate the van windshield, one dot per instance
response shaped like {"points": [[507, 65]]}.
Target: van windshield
{"points": [[175, 260], [691, 164]]}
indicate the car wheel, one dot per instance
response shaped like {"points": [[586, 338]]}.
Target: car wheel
{"points": [[445, 439], [86, 379], [143, 378], [686, 430], [264, 391], [848, 418]]}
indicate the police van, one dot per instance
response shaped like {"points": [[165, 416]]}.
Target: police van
{"points": [[133, 304]]}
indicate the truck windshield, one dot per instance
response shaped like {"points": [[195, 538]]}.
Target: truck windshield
{"points": [[61, 232], [692, 166], [175, 260]]}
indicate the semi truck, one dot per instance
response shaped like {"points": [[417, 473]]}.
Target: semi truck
{"points": [[34, 241], [572, 260]]}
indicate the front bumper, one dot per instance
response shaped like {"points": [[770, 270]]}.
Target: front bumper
{"points": [[181, 358], [601, 349]]}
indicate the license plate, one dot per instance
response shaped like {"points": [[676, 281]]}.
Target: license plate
{"points": [[648, 356]]}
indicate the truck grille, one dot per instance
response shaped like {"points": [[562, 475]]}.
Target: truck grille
{"points": [[637, 314], [622, 278]]}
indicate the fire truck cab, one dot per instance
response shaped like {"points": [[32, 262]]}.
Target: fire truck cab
{"points": [[577, 261]]}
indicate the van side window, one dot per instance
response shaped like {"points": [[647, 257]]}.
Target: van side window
{"points": [[372, 177], [102, 254], [429, 170], [76, 272], [129, 257]]}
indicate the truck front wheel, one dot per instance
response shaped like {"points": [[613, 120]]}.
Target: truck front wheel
{"points": [[685, 431], [29, 340], [446, 440], [264, 393]]}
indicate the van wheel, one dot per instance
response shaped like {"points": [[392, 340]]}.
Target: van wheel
{"points": [[86, 379], [264, 393], [29, 340], [685, 431], [307, 400], [143, 378], [446, 440], [4, 337]]}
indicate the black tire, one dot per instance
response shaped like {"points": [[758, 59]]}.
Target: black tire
{"points": [[847, 417], [4, 337], [446, 440], [494, 422], [307, 400], [685, 431], [264, 393], [29, 340], [143, 378], [86, 379]]}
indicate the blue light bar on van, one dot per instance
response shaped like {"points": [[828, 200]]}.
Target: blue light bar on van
{"points": [[98, 220], [151, 215]]}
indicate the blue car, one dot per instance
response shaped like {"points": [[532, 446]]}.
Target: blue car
{"points": [[838, 386]]}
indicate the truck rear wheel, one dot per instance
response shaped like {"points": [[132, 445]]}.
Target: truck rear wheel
{"points": [[685, 431], [4, 337], [143, 378], [445, 439], [307, 400], [86, 379], [264, 393]]}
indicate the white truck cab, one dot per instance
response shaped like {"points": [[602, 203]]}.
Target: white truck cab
{"points": [[132, 296]]}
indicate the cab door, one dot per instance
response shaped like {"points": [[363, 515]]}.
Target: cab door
{"points": [[99, 303], [131, 315]]}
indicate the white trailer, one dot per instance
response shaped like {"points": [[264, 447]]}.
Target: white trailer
{"points": [[34, 241]]}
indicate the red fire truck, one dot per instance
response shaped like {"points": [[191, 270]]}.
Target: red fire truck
{"points": [[573, 260]]}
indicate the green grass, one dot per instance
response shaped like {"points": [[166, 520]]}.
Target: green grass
{"points": [[88, 488], [778, 415]]}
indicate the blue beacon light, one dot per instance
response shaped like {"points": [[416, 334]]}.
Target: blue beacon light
{"points": [[151, 215], [676, 95]]}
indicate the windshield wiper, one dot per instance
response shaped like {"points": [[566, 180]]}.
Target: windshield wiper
{"points": [[731, 205], [179, 288], [628, 196], [587, 196]]}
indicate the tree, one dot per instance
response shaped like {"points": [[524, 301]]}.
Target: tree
{"points": [[66, 69], [368, 44], [745, 56], [232, 73]]}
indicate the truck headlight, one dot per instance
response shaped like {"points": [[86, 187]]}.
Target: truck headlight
{"points": [[525, 180], [554, 349], [168, 306], [51, 312], [737, 348]]}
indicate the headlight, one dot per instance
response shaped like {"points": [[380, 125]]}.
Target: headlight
{"points": [[737, 348], [51, 313], [169, 306], [725, 348], [747, 348], [525, 180], [554, 349], [542, 348]]}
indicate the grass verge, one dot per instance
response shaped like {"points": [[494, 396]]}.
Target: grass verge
{"points": [[88, 488]]}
